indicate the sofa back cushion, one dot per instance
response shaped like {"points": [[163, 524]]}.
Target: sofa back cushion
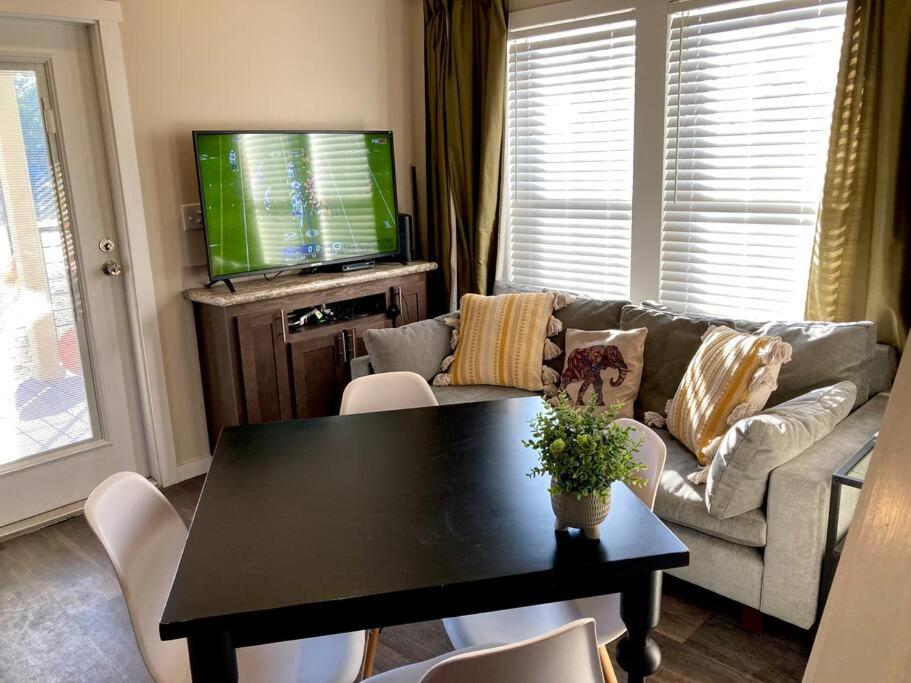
{"points": [[672, 341], [822, 355]]}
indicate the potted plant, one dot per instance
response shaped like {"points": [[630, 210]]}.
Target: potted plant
{"points": [[584, 452]]}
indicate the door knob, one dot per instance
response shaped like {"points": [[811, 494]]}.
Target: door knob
{"points": [[111, 268]]}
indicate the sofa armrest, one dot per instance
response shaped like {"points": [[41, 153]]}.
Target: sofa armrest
{"points": [[360, 367], [797, 511]]}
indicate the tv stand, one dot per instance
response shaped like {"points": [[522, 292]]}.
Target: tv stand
{"points": [[266, 355], [227, 282]]}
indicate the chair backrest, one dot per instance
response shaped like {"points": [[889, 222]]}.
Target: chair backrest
{"points": [[569, 653], [652, 453], [144, 537], [386, 391]]}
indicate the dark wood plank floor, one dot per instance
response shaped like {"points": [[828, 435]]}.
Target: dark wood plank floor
{"points": [[62, 618]]}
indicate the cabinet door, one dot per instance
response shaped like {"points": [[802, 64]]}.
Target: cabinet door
{"points": [[320, 372], [356, 345], [264, 367], [413, 303]]}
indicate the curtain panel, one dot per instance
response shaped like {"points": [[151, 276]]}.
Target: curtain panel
{"points": [[860, 267], [465, 73]]}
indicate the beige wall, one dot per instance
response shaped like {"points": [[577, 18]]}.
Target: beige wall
{"points": [[197, 64]]}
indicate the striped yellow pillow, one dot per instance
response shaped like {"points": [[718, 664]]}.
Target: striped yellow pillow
{"points": [[502, 340], [729, 378]]}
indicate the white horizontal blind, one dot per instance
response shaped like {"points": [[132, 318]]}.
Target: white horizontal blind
{"points": [[570, 156], [749, 107]]}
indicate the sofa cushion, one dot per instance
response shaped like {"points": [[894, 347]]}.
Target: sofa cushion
{"points": [[673, 340], [477, 392], [419, 347], [752, 448], [683, 503], [824, 354]]}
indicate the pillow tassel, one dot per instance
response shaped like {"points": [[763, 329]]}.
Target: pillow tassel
{"points": [[554, 326], [777, 352], [699, 477], [762, 377], [741, 411], [655, 420], [562, 300], [454, 342], [549, 376], [444, 379], [551, 350], [447, 361]]}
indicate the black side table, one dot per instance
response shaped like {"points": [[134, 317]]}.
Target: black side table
{"points": [[851, 474]]}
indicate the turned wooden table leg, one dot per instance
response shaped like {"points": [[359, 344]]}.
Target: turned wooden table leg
{"points": [[640, 607]]}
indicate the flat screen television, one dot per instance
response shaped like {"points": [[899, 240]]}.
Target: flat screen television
{"points": [[283, 200]]}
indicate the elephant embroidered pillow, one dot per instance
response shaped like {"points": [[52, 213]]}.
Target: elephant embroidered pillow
{"points": [[604, 365]]}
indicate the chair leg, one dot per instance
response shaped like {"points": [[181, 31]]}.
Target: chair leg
{"points": [[373, 639], [606, 667]]}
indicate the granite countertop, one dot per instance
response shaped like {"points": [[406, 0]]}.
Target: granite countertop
{"points": [[258, 289]]}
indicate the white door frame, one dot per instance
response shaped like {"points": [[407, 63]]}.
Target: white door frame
{"points": [[102, 18]]}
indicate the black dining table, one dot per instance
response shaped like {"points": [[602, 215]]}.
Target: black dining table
{"points": [[313, 527]]}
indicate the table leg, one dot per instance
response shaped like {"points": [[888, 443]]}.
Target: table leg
{"points": [[640, 608], [212, 658]]}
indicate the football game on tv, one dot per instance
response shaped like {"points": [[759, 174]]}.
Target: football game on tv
{"points": [[284, 200]]}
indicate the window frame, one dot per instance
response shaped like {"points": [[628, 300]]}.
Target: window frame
{"points": [[653, 23]]}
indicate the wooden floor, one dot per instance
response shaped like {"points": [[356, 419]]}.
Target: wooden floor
{"points": [[62, 618]]}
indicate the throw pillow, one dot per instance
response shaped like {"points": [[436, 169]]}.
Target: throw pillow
{"points": [[606, 365], [729, 378], [419, 347], [753, 447], [673, 340], [503, 341]]}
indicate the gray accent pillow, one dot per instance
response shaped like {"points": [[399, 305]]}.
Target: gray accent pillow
{"points": [[823, 354], [753, 447], [419, 347], [673, 340]]}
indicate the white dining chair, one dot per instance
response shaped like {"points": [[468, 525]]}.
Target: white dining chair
{"points": [[374, 394], [144, 538], [386, 391], [567, 654], [524, 622]]}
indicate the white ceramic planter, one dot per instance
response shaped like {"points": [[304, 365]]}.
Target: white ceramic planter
{"points": [[586, 513]]}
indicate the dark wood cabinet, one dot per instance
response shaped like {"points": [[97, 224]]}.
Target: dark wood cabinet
{"points": [[256, 367], [264, 367]]}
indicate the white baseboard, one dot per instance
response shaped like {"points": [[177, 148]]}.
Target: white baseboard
{"points": [[193, 468], [26, 526]]}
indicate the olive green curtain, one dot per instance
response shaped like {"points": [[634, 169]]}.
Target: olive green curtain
{"points": [[465, 72], [861, 264]]}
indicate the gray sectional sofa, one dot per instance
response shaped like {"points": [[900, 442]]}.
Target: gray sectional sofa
{"points": [[769, 558]]}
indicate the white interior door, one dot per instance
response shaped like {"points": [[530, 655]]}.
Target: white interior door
{"points": [[69, 411]]}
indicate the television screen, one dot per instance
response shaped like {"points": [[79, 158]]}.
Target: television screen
{"points": [[275, 200]]}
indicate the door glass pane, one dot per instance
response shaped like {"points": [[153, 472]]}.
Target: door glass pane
{"points": [[44, 396]]}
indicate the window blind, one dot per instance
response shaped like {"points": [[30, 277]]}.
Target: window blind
{"points": [[749, 108], [569, 156]]}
